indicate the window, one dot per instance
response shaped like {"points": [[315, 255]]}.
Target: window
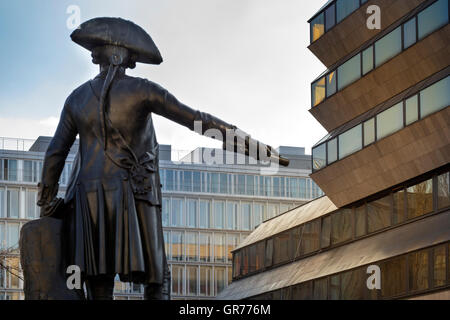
{"points": [[399, 207], [349, 71], [317, 27], [219, 279], [369, 132], [169, 183], [360, 221], [215, 183], [2, 203], [335, 287], [331, 83], [276, 187], [393, 277], [353, 284], [326, 232], [232, 242], [321, 289], [206, 283], [443, 185], [165, 212], [258, 213], [435, 97], [281, 248], [177, 280], [341, 226], [269, 253], [32, 209], [332, 150], [27, 171], [13, 236], [345, 8], [272, 210], [390, 121], [439, 266], [420, 199], [418, 270], [293, 185], [350, 141], [250, 186], [187, 181], [223, 183], [177, 246], [240, 184], [246, 212], [237, 264], [2, 236], [259, 261], [219, 247], [196, 181], [367, 63], [205, 247], [409, 33], [379, 214], [191, 213], [318, 91], [319, 159], [232, 215], [191, 246], [309, 238], [191, 279], [177, 213], [388, 46], [330, 17], [205, 214], [411, 110], [219, 214], [432, 18], [12, 203], [9, 169]]}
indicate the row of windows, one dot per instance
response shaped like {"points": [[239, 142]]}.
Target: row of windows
{"points": [[192, 280], [332, 15], [11, 295], [11, 200], [387, 122], [418, 27], [238, 184], [31, 171], [413, 273], [200, 246], [218, 214], [345, 225]]}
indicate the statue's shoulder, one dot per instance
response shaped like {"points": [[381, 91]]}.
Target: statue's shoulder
{"points": [[80, 92], [143, 83]]}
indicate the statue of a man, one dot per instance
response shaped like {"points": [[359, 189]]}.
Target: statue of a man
{"points": [[115, 191]]}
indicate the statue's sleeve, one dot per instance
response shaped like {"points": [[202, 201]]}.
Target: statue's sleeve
{"points": [[56, 155], [163, 103]]}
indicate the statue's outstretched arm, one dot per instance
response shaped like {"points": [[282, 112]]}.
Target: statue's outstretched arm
{"points": [[55, 158]]}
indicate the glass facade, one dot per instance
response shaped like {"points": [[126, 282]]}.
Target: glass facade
{"points": [[403, 205], [425, 22], [431, 99]]}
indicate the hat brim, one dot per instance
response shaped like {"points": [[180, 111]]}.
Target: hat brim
{"points": [[116, 31]]}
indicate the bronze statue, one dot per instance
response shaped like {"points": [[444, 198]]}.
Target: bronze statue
{"points": [[114, 226]]}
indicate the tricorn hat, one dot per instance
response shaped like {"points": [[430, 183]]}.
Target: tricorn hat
{"points": [[119, 32]]}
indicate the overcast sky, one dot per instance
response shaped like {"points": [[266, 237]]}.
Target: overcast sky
{"points": [[244, 61]]}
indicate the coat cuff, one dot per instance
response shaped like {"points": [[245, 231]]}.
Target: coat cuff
{"points": [[46, 193]]}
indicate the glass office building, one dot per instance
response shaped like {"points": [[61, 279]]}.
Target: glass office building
{"points": [[207, 211], [384, 166]]}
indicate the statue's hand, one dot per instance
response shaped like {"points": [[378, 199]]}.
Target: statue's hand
{"points": [[51, 209]]}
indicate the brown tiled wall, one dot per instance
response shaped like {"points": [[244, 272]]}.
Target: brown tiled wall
{"points": [[417, 63], [351, 33], [414, 150]]}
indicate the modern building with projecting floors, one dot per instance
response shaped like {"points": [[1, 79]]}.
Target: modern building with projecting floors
{"points": [[384, 166], [207, 211]]}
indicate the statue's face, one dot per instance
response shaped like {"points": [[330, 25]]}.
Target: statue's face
{"points": [[109, 54]]}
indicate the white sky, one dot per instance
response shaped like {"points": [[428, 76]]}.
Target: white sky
{"points": [[244, 61]]}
